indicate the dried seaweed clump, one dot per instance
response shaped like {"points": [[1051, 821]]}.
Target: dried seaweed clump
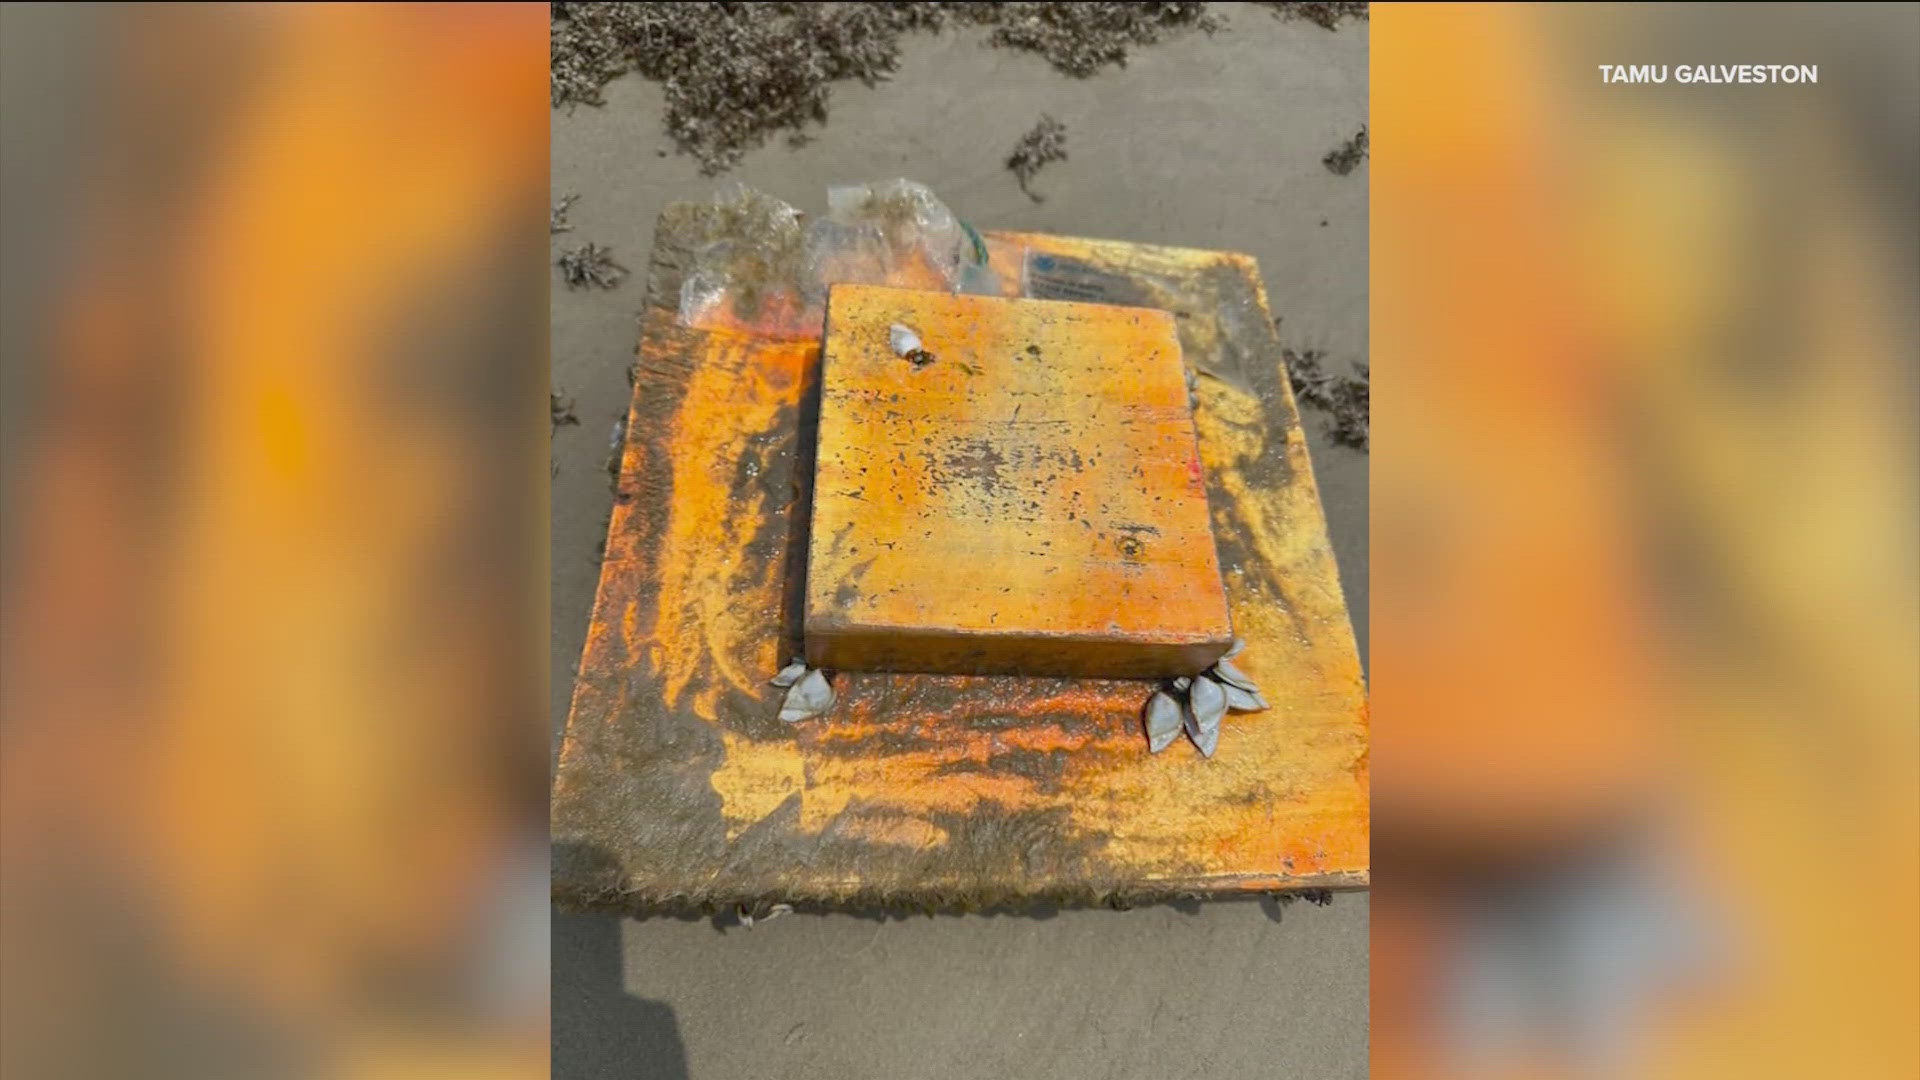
{"points": [[1047, 142], [1325, 16], [1081, 38], [1316, 897], [557, 215], [1346, 157], [590, 266], [1346, 398], [735, 74], [587, 46]]}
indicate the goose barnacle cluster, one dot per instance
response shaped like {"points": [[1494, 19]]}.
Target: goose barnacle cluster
{"points": [[1207, 698]]}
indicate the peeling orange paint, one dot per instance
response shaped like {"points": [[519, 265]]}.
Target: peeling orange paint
{"points": [[1025, 497], [712, 596]]}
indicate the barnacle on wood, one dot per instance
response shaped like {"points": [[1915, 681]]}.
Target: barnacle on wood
{"points": [[810, 696], [1198, 703], [1206, 706], [1163, 721]]}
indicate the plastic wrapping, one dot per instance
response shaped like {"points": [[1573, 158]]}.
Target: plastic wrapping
{"points": [[898, 233], [749, 266], [762, 266]]}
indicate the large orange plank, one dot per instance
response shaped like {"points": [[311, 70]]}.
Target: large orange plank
{"points": [[1021, 494], [679, 788]]}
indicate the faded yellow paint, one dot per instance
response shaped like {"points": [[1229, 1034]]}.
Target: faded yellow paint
{"points": [[755, 779]]}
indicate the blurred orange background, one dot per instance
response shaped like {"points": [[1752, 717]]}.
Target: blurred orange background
{"points": [[1644, 593], [272, 785]]}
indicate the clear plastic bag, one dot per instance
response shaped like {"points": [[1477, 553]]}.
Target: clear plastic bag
{"points": [[896, 233], [764, 268], [749, 268]]}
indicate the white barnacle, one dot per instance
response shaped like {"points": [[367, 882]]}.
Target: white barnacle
{"points": [[1206, 705], [1243, 700], [1163, 721], [1227, 673], [904, 341], [810, 696]]}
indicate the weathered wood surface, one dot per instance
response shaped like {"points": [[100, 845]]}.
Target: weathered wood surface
{"points": [[678, 788], [1022, 495]]}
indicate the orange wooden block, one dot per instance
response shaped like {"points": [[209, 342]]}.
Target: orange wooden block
{"points": [[1021, 493]]}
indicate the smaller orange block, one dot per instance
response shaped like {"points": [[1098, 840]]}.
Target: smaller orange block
{"points": [[1023, 494]]}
